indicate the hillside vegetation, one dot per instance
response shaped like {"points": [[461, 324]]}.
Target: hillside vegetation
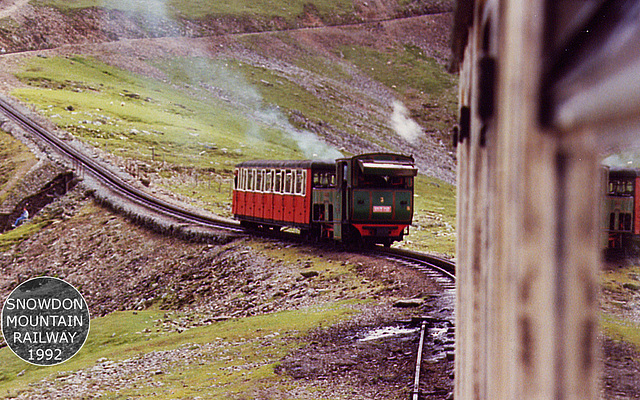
{"points": [[38, 24], [180, 113], [177, 105]]}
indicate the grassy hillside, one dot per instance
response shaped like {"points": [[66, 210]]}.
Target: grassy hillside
{"points": [[203, 8], [15, 161], [239, 355], [326, 10], [129, 114]]}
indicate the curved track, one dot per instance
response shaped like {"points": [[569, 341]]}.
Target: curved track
{"points": [[111, 179], [114, 182], [420, 261]]}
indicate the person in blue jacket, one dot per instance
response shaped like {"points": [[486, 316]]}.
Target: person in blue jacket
{"points": [[23, 217]]}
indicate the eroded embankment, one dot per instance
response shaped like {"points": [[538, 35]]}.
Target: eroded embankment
{"points": [[40, 186]]}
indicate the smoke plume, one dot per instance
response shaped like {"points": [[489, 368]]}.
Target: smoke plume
{"points": [[224, 82], [402, 124]]}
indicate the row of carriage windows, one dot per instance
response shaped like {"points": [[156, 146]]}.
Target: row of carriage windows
{"points": [[282, 181], [621, 187], [624, 222]]}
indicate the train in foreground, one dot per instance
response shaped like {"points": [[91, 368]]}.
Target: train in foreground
{"points": [[622, 209], [366, 199]]}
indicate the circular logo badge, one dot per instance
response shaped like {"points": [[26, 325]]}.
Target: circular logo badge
{"points": [[45, 321]]}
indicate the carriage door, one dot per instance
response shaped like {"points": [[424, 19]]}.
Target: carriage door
{"points": [[339, 209]]}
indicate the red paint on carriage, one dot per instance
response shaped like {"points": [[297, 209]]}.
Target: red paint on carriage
{"points": [[273, 193]]}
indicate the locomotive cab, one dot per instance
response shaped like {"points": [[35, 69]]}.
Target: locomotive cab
{"points": [[622, 208], [379, 196]]}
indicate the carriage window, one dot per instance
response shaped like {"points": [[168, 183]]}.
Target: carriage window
{"points": [[300, 179], [288, 182], [612, 221], [627, 222], [621, 187], [259, 174], [323, 179], [278, 182], [250, 180], [268, 181]]}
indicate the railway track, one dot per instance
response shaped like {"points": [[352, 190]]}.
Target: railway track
{"points": [[110, 179], [428, 264], [443, 272], [438, 269]]}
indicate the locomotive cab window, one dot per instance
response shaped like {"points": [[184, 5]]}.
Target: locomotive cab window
{"points": [[382, 181], [324, 179]]}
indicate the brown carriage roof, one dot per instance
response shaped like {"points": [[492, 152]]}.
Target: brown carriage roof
{"points": [[288, 164], [381, 157], [618, 172]]}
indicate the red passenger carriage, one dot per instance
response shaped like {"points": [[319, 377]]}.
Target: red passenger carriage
{"points": [[275, 193]]}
